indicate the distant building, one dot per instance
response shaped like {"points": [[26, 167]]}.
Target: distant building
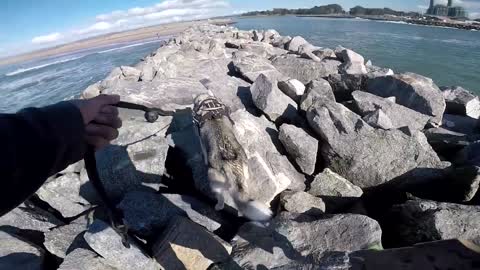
{"points": [[448, 10]]}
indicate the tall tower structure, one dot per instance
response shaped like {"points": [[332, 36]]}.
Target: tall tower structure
{"points": [[450, 3], [430, 9]]}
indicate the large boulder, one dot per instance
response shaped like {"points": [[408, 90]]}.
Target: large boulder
{"points": [[146, 213], [343, 85], [411, 90], [353, 63], [447, 143], [305, 70], [29, 217], [462, 124], [419, 221], [399, 115], [270, 100], [136, 159], [233, 92], [169, 94], [108, 243], [379, 119], [186, 245], [295, 43], [292, 88], [84, 259], [461, 102], [328, 183], [364, 155], [302, 203], [262, 49], [316, 90], [301, 238], [251, 66], [300, 146], [16, 253]]}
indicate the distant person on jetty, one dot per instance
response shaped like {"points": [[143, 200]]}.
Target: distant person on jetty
{"points": [[40, 142]]}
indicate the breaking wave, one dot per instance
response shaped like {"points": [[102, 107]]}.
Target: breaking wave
{"points": [[22, 70]]}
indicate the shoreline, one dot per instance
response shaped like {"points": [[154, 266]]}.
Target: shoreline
{"points": [[128, 36]]}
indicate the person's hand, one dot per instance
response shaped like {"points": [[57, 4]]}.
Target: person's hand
{"points": [[100, 118]]}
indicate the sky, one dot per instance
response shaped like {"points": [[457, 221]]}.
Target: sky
{"points": [[27, 25]]}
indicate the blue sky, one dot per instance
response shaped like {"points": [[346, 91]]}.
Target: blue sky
{"points": [[28, 25]]}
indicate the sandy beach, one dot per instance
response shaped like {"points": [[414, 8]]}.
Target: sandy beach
{"points": [[109, 39]]}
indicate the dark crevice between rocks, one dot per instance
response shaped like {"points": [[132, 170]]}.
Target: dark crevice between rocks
{"points": [[37, 202]]}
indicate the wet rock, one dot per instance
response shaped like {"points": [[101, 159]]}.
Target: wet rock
{"points": [[170, 95], [186, 245], [292, 88], [300, 146], [30, 218], [423, 221], [461, 102], [362, 154], [411, 90], [399, 115], [136, 159], [269, 99], [316, 90], [108, 243], [462, 124], [146, 212], [251, 66], [328, 183], [302, 203], [304, 70], [379, 119], [63, 239], [295, 43], [353, 63], [344, 85], [64, 195], [299, 238], [16, 253], [84, 259]]}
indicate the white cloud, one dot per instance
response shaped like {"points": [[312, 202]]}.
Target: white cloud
{"points": [[47, 38], [97, 27]]}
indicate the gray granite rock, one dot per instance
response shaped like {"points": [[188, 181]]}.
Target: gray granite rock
{"points": [[84, 259], [262, 49], [270, 100], [292, 88], [343, 85], [281, 42], [294, 238], [146, 213], [92, 91], [448, 143], [16, 253], [186, 245], [304, 70], [302, 203], [131, 73], [270, 35], [419, 221], [469, 155], [379, 119], [295, 43], [411, 90], [316, 90], [353, 63], [461, 102], [399, 115], [64, 195], [29, 217], [258, 35], [300, 146], [61, 240], [328, 183], [364, 155], [251, 66], [232, 91], [105, 241], [462, 124]]}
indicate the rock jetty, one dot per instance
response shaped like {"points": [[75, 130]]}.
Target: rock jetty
{"points": [[364, 168]]}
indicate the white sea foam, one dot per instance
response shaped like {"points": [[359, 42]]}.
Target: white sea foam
{"points": [[128, 46], [22, 70]]}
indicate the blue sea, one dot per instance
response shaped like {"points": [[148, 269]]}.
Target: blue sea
{"points": [[449, 56]]}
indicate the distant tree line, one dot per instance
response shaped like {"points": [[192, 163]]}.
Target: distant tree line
{"points": [[317, 10], [331, 9]]}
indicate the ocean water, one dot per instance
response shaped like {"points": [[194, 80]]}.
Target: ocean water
{"points": [[448, 56], [51, 80]]}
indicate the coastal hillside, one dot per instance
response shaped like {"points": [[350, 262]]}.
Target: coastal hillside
{"points": [[363, 167]]}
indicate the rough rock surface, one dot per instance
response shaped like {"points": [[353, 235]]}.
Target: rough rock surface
{"points": [[461, 102], [316, 90], [186, 245], [458, 123], [300, 146], [297, 237], [295, 43], [251, 66], [292, 88], [108, 243], [329, 183], [379, 119], [63, 239], [84, 259], [146, 212], [411, 90], [353, 63], [422, 221], [16, 253], [302, 203], [366, 156], [343, 85], [270, 100], [399, 115], [29, 217], [305, 70]]}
